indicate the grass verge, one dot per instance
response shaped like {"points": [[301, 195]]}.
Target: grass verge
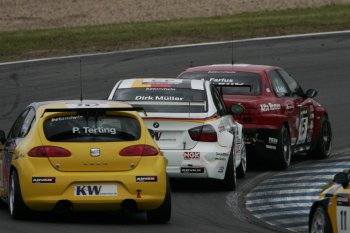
{"points": [[18, 45]]}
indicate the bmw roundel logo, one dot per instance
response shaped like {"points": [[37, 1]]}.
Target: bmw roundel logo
{"points": [[155, 124]]}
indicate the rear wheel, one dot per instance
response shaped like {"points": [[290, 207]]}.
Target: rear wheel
{"points": [[320, 222], [323, 146], [229, 182], [283, 150], [163, 213], [18, 209], [242, 168]]}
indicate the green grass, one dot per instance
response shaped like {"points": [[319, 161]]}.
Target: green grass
{"points": [[64, 41]]}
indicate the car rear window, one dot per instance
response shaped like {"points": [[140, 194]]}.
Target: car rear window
{"points": [[169, 100], [231, 82], [91, 127]]}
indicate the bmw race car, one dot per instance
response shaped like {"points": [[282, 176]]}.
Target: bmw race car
{"points": [[279, 118], [83, 155], [189, 122], [331, 213]]}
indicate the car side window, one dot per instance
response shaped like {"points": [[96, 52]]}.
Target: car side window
{"points": [[22, 124], [17, 126], [278, 85], [292, 84], [27, 123], [218, 102]]}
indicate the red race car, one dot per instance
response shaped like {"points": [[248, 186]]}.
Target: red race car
{"points": [[280, 119]]}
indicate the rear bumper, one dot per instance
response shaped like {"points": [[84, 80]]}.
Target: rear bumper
{"points": [[205, 160], [145, 185], [260, 140]]}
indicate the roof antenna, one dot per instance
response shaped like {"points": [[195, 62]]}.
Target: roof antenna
{"points": [[232, 61], [81, 81]]}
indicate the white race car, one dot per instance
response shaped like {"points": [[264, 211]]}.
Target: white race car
{"points": [[189, 122]]}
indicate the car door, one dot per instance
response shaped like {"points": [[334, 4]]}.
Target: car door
{"points": [[18, 131], [304, 107], [288, 104]]}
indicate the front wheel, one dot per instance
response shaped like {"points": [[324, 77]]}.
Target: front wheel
{"points": [[320, 222], [323, 146]]}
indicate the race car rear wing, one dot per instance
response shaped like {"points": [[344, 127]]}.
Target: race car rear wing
{"points": [[136, 109]]}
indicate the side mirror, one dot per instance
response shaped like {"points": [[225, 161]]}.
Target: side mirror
{"points": [[341, 178], [311, 93], [2, 137], [237, 109]]}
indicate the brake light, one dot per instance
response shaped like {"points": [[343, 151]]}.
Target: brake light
{"points": [[139, 150], [49, 151], [205, 133]]}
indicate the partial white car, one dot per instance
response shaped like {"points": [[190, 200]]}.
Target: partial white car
{"points": [[189, 122]]}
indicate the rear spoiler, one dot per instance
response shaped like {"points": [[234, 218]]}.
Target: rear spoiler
{"points": [[136, 109]]}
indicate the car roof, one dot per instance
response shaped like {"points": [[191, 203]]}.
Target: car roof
{"points": [[79, 104], [234, 67], [162, 83]]}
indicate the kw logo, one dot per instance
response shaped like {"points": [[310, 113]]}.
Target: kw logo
{"points": [[157, 135], [87, 190]]}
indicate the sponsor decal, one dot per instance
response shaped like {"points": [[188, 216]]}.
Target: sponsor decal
{"points": [[271, 147], [343, 200], [220, 158], [99, 130], [155, 124], [273, 140], [66, 118], [192, 170], [95, 190], [43, 180], [160, 89], [156, 135], [159, 98], [192, 155], [269, 107], [146, 178]]}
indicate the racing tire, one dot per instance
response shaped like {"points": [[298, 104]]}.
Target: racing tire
{"points": [[163, 213], [229, 182], [283, 150], [242, 168], [323, 147], [320, 222], [18, 210]]}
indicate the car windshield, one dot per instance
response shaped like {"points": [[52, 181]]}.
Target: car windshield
{"points": [[230, 82], [167, 100], [91, 127]]}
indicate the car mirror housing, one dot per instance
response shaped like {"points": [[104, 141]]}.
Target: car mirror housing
{"points": [[311, 93], [2, 137], [237, 109], [341, 178]]}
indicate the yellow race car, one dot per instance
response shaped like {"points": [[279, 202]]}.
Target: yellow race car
{"points": [[83, 155], [331, 213]]}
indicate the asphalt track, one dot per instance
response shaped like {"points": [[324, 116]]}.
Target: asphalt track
{"points": [[320, 62]]}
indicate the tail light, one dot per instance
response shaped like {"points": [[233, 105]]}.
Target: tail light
{"points": [[205, 133], [49, 151], [139, 150]]}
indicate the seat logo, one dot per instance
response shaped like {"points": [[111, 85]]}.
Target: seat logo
{"points": [[95, 152]]}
